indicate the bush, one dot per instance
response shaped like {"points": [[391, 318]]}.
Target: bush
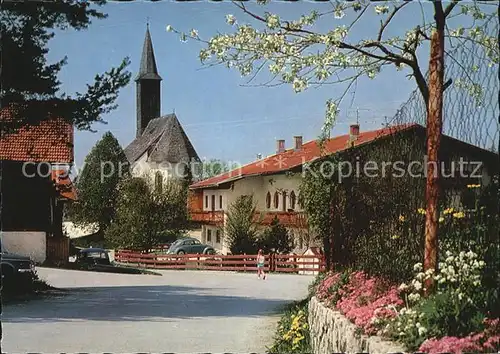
{"points": [[24, 286], [240, 230], [458, 312], [456, 309], [276, 238], [292, 335]]}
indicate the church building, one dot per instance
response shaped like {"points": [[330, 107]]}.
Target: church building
{"points": [[161, 147]]}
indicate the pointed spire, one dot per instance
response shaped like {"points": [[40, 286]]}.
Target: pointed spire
{"points": [[148, 68]]}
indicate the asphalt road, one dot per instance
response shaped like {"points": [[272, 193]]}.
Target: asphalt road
{"points": [[179, 312]]}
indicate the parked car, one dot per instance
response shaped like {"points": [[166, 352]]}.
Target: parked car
{"points": [[190, 245], [16, 268], [97, 260]]}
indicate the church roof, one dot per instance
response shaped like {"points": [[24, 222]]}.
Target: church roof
{"points": [[164, 140], [148, 69]]}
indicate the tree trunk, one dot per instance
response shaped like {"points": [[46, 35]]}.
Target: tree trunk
{"points": [[434, 131]]}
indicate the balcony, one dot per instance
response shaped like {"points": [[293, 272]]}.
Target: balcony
{"points": [[207, 217], [288, 219]]}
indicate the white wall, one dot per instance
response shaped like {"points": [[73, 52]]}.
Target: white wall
{"points": [[142, 167], [26, 243], [197, 234], [219, 246], [282, 183]]}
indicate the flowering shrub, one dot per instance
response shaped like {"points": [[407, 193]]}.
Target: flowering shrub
{"points": [[368, 301], [488, 340], [452, 312], [292, 335], [451, 319]]}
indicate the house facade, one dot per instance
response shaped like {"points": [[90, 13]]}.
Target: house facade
{"points": [[35, 184], [161, 148], [274, 181]]}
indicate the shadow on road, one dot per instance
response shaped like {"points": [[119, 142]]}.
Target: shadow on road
{"points": [[138, 303]]}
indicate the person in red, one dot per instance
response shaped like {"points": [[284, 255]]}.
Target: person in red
{"points": [[260, 265]]}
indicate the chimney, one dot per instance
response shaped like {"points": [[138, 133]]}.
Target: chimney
{"points": [[298, 142], [280, 146], [353, 132]]}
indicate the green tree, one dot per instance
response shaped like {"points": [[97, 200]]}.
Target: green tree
{"points": [[276, 238], [30, 83], [241, 228], [145, 213], [104, 167], [215, 167]]}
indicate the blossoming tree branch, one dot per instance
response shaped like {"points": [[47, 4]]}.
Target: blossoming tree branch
{"points": [[295, 52]]}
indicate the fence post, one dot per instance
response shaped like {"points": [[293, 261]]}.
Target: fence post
{"points": [[271, 263]]}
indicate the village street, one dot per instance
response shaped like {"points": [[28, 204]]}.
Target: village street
{"points": [[181, 311]]}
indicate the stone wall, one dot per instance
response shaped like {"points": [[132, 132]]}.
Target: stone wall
{"points": [[331, 332]]}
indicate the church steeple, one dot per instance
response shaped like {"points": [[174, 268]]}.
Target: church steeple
{"points": [[148, 86]]}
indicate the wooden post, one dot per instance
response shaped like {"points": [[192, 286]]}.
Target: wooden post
{"points": [[434, 131]]}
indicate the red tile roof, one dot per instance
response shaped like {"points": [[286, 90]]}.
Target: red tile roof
{"points": [[49, 141], [291, 158], [64, 185]]}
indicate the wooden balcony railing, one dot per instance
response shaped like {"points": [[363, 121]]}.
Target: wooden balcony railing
{"points": [[208, 217], [288, 219]]}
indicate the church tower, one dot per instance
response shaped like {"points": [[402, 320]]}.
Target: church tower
{"points": [[147, 86]]}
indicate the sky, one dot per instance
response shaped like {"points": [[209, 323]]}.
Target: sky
{"points": [[222, 117]]}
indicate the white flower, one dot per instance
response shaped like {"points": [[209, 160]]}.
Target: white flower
{"points": [[194, 33], [403, 287], [471, 255], [421, 331], [273, 21], [417, 267], [169, 28], [414, 297], [417, 285], [299, 85], [381, 9], [230, 19], [338, 13]]}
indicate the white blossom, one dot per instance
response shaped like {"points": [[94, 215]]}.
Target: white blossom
{"points": [[273, 21], [169, 28], [381, 9], [230, 19]]}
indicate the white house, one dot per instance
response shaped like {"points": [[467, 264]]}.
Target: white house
{"points": [[274, 182]]}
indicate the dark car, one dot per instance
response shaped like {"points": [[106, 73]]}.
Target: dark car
{"points": [[97, 259], [189, 245], [88, 258], [16, 268]]}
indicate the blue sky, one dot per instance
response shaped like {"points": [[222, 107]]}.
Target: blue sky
{"points": [[222, 118]]}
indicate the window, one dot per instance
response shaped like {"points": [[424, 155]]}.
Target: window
{"points": [[209, 235], [206, 201], [217, 236], [292, 200], [220, 201], [276, 200], [284, 201], [213, 202], [268, 200]]}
